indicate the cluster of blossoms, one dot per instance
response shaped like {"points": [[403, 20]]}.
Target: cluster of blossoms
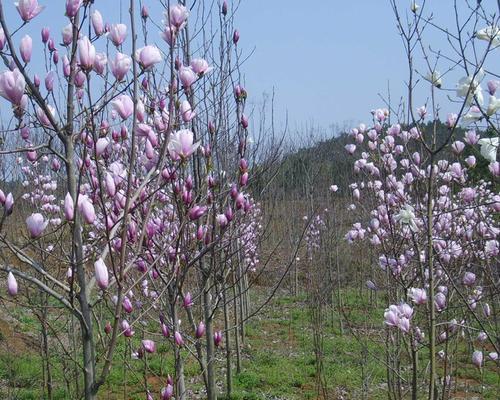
{"points": [[394, 177], [249, 235], [399, 316], [149, 202], [313, 234]]}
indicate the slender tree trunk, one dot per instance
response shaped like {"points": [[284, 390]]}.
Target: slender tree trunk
{"points": [[432, 395], [209, 334], [180, 384], [236, 325], [79, 267], [229, 380], [45, 343]]}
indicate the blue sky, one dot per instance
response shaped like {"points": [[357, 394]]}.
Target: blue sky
{"points": [[326, 60]]}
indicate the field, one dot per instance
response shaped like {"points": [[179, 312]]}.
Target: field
{"points": [[278, 359]]}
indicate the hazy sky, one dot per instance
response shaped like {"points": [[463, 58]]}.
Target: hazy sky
{"points": [[327, 60]]}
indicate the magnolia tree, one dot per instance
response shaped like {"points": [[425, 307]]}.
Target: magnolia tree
{"points": [[432, 203], [132, 149]]}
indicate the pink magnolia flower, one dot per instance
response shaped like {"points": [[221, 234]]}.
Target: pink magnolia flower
{"points": [[72, 7], [66, 66], [177, 15], [36, 224], [3, 39], [168, 35], [101, 274], [196, 212], [471, 161], [69, 208], [123, 105], [222, 220], [418, 296], [28, 9], [188, 302], [42, 116], [100, 63], [86, 53], [148, 56], [350, 148], [12, 85], [244, 121], [477, 358], [469, 279], [67, 34], [165, 331], [457, 146], [110, 184], [167, 392], [494, 168], [217, 338], [26, 48], [120, 65], [440, 301], [101, 145], [127, 305], [49, 81], [200, 66], [97, 23], [493, 86], [187, 76], [127, 329], [181, 144], [86, 208], [9, 203], [12, 287], [391, 316], [117, 33], [200, 330], [404, 324], [149, 345], [471, 137], [179, 341], [186, 112]]}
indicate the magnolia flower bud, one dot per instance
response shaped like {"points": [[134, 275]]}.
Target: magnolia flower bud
{"points": [[200, 330], [45, 34], [97, 23], [477, 358], [36, 224], [26, 48], [12, 287], [179, 341], [101, 274]]}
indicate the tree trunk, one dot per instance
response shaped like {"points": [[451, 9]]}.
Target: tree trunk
{"points": [[207, 310]]}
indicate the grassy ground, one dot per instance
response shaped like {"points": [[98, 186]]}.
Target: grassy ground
{"points": [[278, 360]]}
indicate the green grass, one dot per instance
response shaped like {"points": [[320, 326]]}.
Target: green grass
{"points": [[278, 358]]}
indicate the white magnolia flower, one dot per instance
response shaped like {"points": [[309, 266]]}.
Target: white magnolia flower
{"points": [[406, 216], [435, 78], [490, 33], [469, 86], [414, 7], [493, 106], [489, 147], [472, 116]]}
